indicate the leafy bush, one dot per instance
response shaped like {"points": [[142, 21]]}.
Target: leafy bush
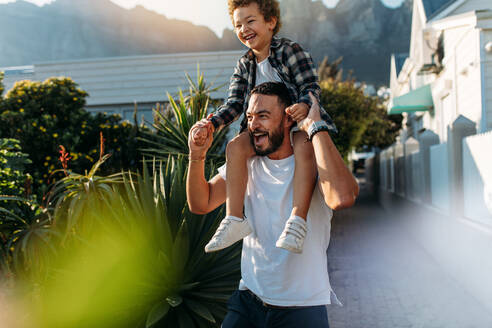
{"points": [[44, 115], [13, 180]]}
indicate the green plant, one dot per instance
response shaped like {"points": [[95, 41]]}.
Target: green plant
{"points": [[171, 135], [1, 83], [13, 179], [135, 253], [44, 115]]}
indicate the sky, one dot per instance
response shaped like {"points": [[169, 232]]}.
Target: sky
{"points": [[211, 13]]}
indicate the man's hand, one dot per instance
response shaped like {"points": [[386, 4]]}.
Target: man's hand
{"points": [[198, 148], [200, 134], [298, 111], [313, 115]]}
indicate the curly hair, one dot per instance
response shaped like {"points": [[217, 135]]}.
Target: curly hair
{"points": [[268, 8]]}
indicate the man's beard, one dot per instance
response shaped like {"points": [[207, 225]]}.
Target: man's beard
{"points": [[275, 139]]}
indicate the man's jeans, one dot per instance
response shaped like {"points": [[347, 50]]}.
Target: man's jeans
{"points": [[245, 310]]}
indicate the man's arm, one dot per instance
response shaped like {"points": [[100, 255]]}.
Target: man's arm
{"points": [[203, 196], [338, 185]]}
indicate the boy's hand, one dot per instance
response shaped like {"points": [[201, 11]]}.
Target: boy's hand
{"points": [[201, 129], [314, 115], [298, 111], [199, 135], [198, 147]]}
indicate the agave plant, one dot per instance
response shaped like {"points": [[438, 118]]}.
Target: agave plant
{"points": [[171, 131], [22, 236], [195, 291], [143, 262]]}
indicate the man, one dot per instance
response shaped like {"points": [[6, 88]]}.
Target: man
{"points": [[278, 288]]}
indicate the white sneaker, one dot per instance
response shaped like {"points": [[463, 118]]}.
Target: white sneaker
{"points": [[230, 230], [292, 238]]}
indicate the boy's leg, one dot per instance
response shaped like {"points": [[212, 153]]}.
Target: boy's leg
{"points": [[233, 228], [238, 151], [305, 172]]}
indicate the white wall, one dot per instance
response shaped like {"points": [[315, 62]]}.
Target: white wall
{"points": [[487, 71]]}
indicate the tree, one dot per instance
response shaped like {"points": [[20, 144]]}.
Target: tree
{"points": [[382, 131], [360, 119], [351, 111]]}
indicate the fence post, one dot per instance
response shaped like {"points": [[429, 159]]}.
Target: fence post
{"points": [[427, 139], [411, 146], [461, 127], [399, 155]]}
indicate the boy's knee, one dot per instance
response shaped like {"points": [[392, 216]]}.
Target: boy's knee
{"points": [[238, 146]]}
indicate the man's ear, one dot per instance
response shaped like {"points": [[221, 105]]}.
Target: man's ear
{"points": [[288, 121]]}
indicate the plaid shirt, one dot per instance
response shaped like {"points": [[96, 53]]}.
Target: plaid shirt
{"points": [[294, 66]]}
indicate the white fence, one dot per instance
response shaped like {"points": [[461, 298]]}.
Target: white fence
{"points": [[453, 177], [477, 172], [440, 184]]}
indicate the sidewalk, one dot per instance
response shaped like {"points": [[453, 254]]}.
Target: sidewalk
{"points": [[386, 280]]}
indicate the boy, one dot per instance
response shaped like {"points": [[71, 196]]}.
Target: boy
{"points": [[268, 59]]}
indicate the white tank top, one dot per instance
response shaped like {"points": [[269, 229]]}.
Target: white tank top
{"points": [[278, 276]]}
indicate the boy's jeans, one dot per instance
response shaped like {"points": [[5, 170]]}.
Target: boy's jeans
{"points": [[246, 310]]}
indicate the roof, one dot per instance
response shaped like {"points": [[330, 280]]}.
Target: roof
{"points": [[399, 61], [434, 7]]}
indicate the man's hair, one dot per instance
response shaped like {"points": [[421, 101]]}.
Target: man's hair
{"points": [[268, 8], [274, 89]]}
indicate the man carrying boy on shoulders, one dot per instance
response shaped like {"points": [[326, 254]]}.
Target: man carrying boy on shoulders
{"points": [[275, 290]]}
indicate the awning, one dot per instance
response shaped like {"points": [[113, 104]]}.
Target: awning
{"points": [[417, 100]]}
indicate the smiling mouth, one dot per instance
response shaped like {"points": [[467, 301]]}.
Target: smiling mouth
{"points": [[260, 138], [249, 37]]}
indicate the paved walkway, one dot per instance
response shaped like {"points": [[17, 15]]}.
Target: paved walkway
{"points": [[386, 280]]}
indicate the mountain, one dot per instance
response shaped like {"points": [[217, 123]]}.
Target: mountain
{"points": [[364, 32]]}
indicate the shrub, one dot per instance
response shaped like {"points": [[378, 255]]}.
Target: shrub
{"points": [[44, 115], [13, 180]]}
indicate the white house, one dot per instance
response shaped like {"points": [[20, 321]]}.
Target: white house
{"points": [[115, 84], [442, 161], [448, 71]]}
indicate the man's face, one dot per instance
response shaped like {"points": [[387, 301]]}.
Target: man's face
{"points": [[266, 123]]}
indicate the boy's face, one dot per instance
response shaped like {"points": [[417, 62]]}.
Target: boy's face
{"points": [[252, 29]]}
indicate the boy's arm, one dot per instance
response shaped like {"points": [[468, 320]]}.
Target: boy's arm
{"points": [[338, 185], [203, 197], [234, 105], [306, 79], [304, 72]]}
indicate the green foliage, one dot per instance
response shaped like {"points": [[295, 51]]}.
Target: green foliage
{"points": [[13, 162], [382, 130], [1, 84], [44, 115], [135, 254], [350, 109], [172, 131], [16, 210], [362, 120]]}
